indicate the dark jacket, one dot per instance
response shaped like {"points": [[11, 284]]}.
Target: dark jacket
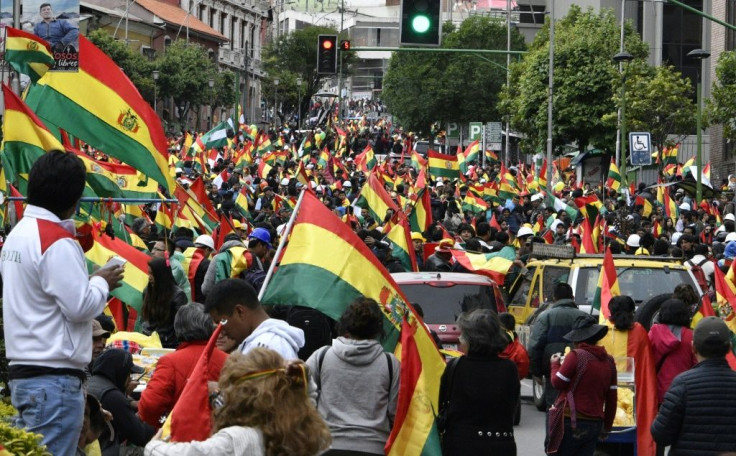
{"points": [[107, 384], [482, 398], [698, 415], [548, 331]]}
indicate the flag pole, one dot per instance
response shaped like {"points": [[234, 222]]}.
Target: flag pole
{"points": [[282, 243]]}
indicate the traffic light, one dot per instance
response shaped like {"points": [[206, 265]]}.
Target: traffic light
{"points": [[420, 22], [327, 54], [345, 45]]}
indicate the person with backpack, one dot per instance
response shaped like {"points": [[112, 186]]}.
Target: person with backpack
{"points": [[586, 379], [702, 267], [357, 383]]}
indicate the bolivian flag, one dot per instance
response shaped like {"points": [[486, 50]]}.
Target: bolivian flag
{"points": [[376, 199], [607, 286], [25, 139], [27, 53], [494, 265], [329, 283], [441, 165], [135, 278], [402, 246], [116, 180], [100, 105], [420, 217], [614, 177], [474, 204]]}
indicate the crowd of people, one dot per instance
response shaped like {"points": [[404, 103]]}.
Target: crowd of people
{"points": [[342, 399]]}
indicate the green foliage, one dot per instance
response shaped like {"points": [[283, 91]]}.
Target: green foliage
{"points": [[658, 100], [423, 87], [18, 441], [294, 56], [185, 70], [584, 80], [721, 108]]}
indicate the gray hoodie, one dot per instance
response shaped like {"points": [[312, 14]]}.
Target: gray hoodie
{"points": [[355, 397], [277, 335], [209, 276]]}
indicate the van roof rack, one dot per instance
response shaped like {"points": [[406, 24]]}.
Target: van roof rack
{"points": [[567, 252]]}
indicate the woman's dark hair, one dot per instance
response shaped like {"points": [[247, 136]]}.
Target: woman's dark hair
{"points": [[56, 181], [362, 319], [661, 247], [622, 312], [157, 306], [685, 293], [480, 330], [674, 312]]}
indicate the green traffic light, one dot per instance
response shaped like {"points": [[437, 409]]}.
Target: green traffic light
{"points": [[420, 23]]}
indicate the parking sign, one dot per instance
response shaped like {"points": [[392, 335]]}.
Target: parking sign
{"points": [[640, 148]]}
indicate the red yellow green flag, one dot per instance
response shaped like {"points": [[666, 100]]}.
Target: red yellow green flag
{"points": [[376, 199], [725, 299], [494, 265], [100, 105], [135, 278], [402, 246], [27, 53], [25, 138], [441, 165], [614, 176], [607, 286], [328, 283]]}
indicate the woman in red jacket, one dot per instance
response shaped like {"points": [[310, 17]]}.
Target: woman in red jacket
{"points": [[193, 329], [671, 340]]}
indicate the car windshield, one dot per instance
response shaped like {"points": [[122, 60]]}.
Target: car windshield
{"points": [[639, 283], [443, 302]]}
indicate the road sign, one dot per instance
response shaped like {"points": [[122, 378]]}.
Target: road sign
{"points": [[494, 133], [640, 148], [475, 130], [453, 130]]}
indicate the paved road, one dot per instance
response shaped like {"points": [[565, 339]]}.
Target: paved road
{"points": [[529, 433]]}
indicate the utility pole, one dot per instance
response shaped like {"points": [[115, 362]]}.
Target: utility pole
{"points": [[551, 87]]}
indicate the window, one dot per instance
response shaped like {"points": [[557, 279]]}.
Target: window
{"points": [[202, 13], [148, 52], [682, 32], [731, 19], [531, 14]]}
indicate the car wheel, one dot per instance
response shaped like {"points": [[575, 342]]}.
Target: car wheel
{"points": [[538, 394], [646, 313]]}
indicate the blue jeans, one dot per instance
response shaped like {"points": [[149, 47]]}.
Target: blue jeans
{"points": [[582, 440], [53, 406]]}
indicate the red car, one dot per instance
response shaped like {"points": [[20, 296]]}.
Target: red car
{"points": [[445, 295]]}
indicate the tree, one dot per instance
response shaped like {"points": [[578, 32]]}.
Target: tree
{"points": [[721, 108], [658, 100], [294, 56], [584, 81], [184, 72], [421, 88]]}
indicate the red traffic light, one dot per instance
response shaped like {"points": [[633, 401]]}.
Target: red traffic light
{"points": [[327, 44], [345, 45]]}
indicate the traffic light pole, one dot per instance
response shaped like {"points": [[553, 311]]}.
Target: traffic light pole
{"points": [[339, 69]]}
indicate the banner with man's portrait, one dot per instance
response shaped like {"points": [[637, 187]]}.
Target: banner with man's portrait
{"points": [[56, 21]]}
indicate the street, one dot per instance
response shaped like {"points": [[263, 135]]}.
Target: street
{"points": [[529, 433]]}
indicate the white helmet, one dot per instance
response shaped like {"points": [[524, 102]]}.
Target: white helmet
{"points": [[633, 240], [524, 231]]}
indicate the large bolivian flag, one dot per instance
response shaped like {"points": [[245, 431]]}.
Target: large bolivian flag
{"points": [[306, 276], [101, 106]]}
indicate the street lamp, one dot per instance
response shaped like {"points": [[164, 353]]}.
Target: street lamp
{"points": [[299, 102], [155, 98], [275, 104], [699, 55], [623, 58], [211, 83]]}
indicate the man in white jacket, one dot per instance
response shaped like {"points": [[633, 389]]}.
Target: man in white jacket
{"points": [[49, 302], [234, 303]]}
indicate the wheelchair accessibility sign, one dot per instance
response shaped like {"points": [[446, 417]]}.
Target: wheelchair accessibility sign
{"points": [[640, 148]]}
